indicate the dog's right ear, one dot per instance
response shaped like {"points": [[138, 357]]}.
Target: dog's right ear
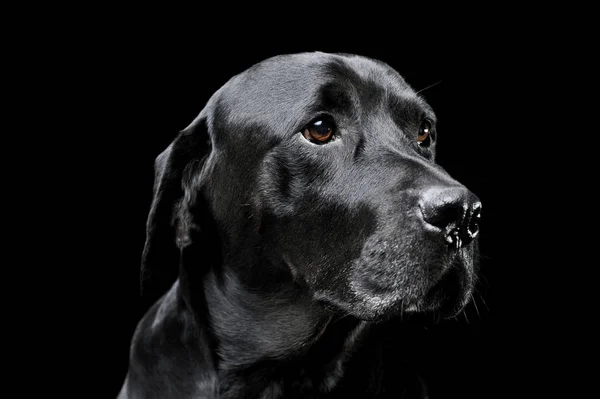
{"points": [[166, 232]]}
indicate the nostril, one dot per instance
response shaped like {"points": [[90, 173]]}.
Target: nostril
{"points": [[473, 227]]}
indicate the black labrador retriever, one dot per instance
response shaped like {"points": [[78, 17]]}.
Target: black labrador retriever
{"points": [[304, 211]]}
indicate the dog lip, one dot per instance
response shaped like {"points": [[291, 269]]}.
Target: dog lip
{"points": [[291, 267], [412, 308], [450, 294], [371, 287]]}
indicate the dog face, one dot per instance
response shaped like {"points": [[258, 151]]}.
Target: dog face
{"points": [[322, 168]]}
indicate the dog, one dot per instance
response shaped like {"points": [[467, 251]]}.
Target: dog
{"points": [[304, 213]]}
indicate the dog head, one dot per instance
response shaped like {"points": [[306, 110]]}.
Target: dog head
{"points": [[319, 169]]}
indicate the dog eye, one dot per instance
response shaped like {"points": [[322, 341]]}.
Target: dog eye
{"points": [[319, 132], [424, 137]]}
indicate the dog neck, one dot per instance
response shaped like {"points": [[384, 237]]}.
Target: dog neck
{"points": [[275, 341]]}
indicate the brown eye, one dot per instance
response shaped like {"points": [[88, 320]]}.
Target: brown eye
{"points": [[319, 132], [424, 138]]}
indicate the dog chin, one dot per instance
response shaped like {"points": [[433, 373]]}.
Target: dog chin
{"points": [[447, 298], [370, 308], [378, 309]]}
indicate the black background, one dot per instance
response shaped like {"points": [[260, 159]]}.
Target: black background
{"points": [[141, 86]]}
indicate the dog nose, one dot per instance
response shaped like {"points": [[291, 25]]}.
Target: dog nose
{"points": [[453, 210]]}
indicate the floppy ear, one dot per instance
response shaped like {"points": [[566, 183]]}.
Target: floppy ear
{"points": [[167, 228]]}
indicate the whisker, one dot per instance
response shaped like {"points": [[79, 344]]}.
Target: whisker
{"points": [[430, 86], [401, 309], [480, 296], [346, 314], [466, 318], [484, 279], [484, 304], [475, 305]]}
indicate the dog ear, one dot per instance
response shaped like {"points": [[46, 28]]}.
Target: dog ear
{"points": [[167, 228]]}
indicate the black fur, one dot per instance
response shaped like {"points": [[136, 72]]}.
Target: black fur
{"points": [[295, 260]]}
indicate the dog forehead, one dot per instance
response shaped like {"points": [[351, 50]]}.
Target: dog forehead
{"points": [[281, 82], [284, 88]]}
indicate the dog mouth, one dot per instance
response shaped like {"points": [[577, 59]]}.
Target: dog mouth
{"points": [[447, 296], [446, 299]]}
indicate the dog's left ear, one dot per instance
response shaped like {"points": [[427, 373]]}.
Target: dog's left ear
{"points": [[167, 230]]}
